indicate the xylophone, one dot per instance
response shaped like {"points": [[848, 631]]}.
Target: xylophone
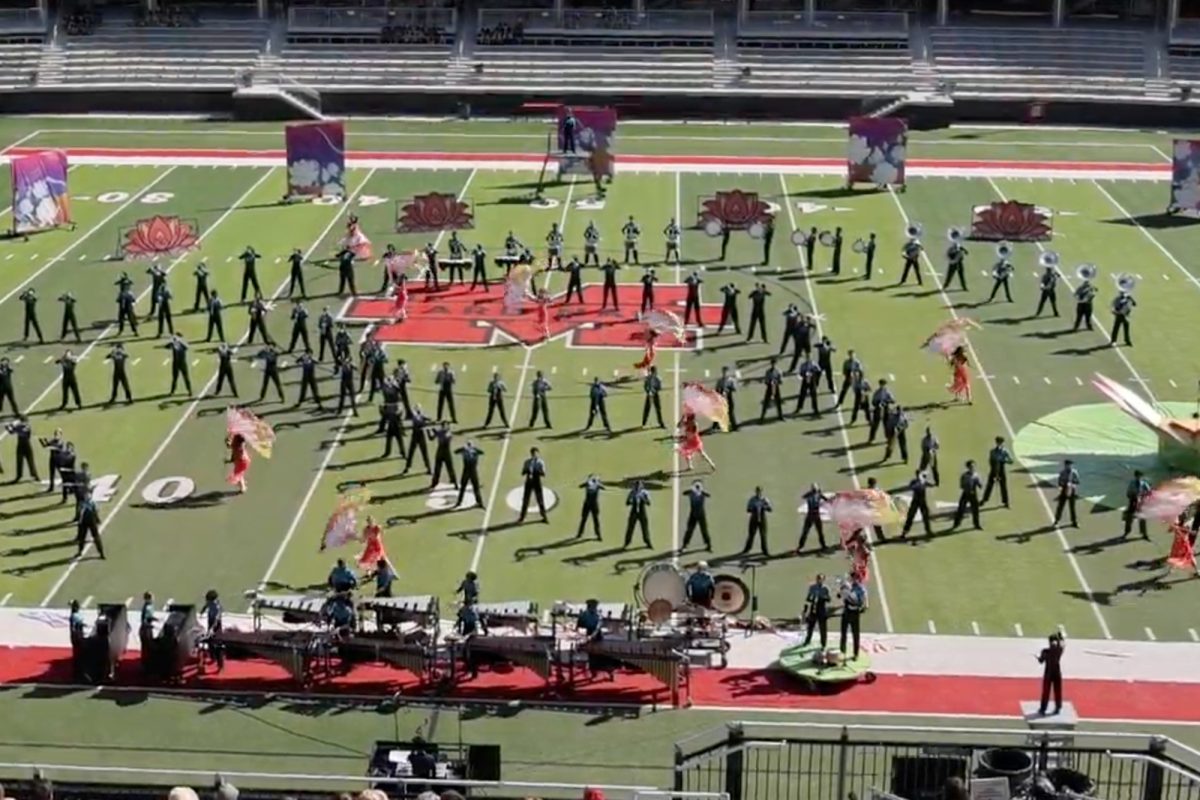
{"points": [[297, 609], [521, 615], [304, 654]]}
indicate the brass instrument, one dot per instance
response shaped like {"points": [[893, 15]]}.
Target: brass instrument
{"points": [[1004, 251], [1087, 272], [1126, 283], [1049, 260], [955, 236], [913, 231]]}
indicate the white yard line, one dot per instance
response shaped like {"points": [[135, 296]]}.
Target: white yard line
{"points": [[1012, 434], [1149, 236], [87, 235], [812, 300], [345, 421], [189, 411], [1156, 149], [113, 325], [25, 139]]}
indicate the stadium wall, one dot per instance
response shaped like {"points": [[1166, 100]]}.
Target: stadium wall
{"points": [[222, 102]]}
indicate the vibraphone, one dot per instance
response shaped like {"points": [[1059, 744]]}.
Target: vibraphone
{"points": [[297, 609], [519, 615], [415, 616], [663, 659], [304, 654], [417, 658]]}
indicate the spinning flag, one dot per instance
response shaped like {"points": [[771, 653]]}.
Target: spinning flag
{"points": [[665, 322], [412, 264], [704, 402], [342, 527], [257, 432], [516, 287], [1170, 499], [949, 336], [1181, 556], [861, 508], [39, 191]]}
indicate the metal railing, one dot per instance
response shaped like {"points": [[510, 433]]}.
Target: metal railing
{"points": [[321, 20], [867, 24], [65, 774], [532, 20], [21, 20], [585, 20], [767, 761]]}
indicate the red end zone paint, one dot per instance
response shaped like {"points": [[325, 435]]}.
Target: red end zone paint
{"points": [[459, 316], [731, 688], [631, 159]]}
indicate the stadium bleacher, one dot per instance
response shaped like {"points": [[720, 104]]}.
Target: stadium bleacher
{"points": [[1184, 52], [22, 33], [1043, 62]]}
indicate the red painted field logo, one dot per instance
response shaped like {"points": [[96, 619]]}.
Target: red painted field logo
{"points": [[461, 317], [427, 213], [160, 237]]}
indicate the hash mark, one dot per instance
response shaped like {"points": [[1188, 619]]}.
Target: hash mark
{"points": [[18, 359], [932, 627], [1191, 632], [7, 597], [1173, 384], [166, 361], [585, 370], [136, 360], [1078, 382], [1017, 627], [1016, 379], [1150, 634], [1046, 378], [974, 627], [48, 359], [923, 379], [83, 258], [195, 362]]}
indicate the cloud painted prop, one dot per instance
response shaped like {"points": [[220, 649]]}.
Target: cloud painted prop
{"points": [[316, 159], [39, 191], [877, 151]]}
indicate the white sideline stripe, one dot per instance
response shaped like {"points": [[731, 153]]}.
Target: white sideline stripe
{"points": [[345, 421], [628, 164], [841, 417], [20, 287], [1012, 435], [62, 579]]}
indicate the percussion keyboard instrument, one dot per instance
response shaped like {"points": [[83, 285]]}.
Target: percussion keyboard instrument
{"points": [[297, 609], [517, 614]]}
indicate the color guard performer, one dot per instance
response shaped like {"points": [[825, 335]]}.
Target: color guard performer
{"points": [[960, 381], [239, 457], [1068, 491], [690, 441]]}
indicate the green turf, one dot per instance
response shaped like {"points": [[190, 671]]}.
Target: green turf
{"points": [[1015, 573]]}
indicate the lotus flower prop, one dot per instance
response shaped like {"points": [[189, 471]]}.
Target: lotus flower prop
{"points": [[1178, 439]]}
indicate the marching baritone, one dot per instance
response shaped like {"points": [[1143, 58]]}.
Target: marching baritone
{"points": [[1085, 294], [1122, 308], [214, 318], [158, 279], [692, 302], [225, 355], [417, 440], [597, 404], [813, 500], [445, 380], [70, 383], [609, 287], [179, 364], [249, 259], [850, 365], [1001, 273], [496, 390], [202, 294], [21, 429], [296, 273]]}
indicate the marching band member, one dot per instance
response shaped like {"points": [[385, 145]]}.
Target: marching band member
{"points": [[638, 502], [813, 500], [868, 252], [960, 383], [1068, 491], [652, 388], [692, 302], [1122, 308], [431, 268], [1001, 272], [929, 455], [955, 256], [649, 278], [543, 314], [592, 487], [697, 497], [912, 258], [672, 234], [816, 611], [700, 588], [631, 232], [1085, 293], [969, 485], [554, 243], [591, 242], [1137, 491], [1049, 286], [854, 603]]}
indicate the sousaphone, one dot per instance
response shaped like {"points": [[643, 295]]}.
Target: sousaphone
{"points": [[731, 595]]}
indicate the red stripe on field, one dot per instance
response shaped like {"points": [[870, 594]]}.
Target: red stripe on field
{"points": [[666, 160], [730, 688]]}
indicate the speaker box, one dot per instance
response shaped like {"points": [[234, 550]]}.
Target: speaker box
{"points": [[924, 777], [483, 762]]}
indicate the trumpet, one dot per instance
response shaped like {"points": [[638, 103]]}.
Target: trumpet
{"points": [[1048, 259], [1126, 283], [955, 236], [914, 231], [1004, 251], [859, 246], [826, 238], [1087, 272]]}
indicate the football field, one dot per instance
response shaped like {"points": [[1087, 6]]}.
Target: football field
{"points": [[1020, 576]]}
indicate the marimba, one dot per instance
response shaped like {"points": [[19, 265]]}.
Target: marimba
{"points": [[393, 612], [537, 653], [520, 615], [663, 659], [297, 609], [304, 654]]}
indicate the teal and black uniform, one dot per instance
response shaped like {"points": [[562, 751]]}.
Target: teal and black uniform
{"points": [[813, 500], [179, 364], [258, 322], [758, 312], [816, 613], [215, 323], [21, 429], [597, 404], [592, 488], [470, 454], [345, 261], [638, 502], [270, 362], [772, 392], [70, 383], [6, 386], [729, 308], [1068, 492], [969, 485], [299, 328], [346, 394], [69, 323], [442, 451], [541, 390], [854, 602], [418, 440], [757, 507], [697, 516], [225, 369], [998, 460], [308, 379], [125, 304], [1135, 493], [296, 274], [1049, 293], [495, 393], [250, 272], [165, 320], [89, 526], [202, 294], [652, 387], [158, 279], [29, 298], [609, 289], [325, 333], [445, 380], [700, 588]]}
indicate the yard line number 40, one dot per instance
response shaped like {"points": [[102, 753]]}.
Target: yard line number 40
{"points": [[158, 492]]}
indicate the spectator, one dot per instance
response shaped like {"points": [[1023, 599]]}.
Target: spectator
{"points": [[223, 790], [183, 793], [43, 789]]}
